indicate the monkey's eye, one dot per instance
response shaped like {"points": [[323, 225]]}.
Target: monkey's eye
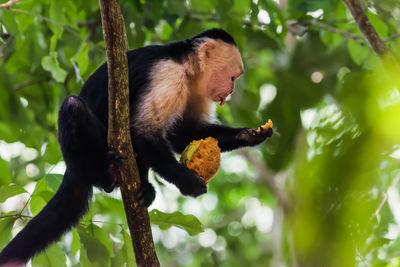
{"points": [[233, 78]]}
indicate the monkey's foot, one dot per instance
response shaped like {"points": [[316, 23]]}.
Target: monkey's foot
{"points": [[146, 194]]}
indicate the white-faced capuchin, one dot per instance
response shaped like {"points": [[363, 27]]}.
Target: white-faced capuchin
{"points": [[173, 88]]}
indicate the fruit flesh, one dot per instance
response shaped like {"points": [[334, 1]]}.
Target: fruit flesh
{"points": [[266, 126], [203, 157]]}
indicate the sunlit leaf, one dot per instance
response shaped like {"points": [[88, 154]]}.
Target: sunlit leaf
{"points": [[189, 223], [53, 181], [6, 225], [357, 52], [7, 191], [51, 64], [125, 254], [84, 260], [97, 253], [53, 256], [82, 58], [101, 236], [37, 203]]}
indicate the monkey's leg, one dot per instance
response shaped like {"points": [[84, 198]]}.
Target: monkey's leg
{"points": [[83, 141], [155, 152]]}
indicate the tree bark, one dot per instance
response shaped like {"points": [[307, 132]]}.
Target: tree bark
{"points": [[119, 139], [366, 27]]}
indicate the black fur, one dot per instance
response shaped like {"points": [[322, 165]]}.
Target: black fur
{"points": [[216, 34], [83, 139], [87, 160]]}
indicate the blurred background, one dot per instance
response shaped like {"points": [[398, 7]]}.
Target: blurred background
{"points": [[324, 191]]}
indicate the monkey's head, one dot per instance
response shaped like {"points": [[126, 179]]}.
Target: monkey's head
{"points": [[219, 62]]}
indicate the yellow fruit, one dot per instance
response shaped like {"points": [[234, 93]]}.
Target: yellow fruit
{"points": [[266, 126], [203, 157]]}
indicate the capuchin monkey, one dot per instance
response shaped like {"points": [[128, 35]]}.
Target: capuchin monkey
{"points": [[173, 88]]}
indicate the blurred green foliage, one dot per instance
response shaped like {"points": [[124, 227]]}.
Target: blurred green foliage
{"points": [[335, 153]]}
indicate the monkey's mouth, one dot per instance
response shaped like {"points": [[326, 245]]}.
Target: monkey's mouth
{"points": [[222, 100]]}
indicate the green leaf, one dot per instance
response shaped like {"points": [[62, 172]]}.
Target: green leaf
{"points": [[5, 177], [189, 223], [82, 58], [357, 52], [75, 244], [46, 195], [9, 22], [176, 7], [7, 191], [44, 191], [166, 32], [125, 255], [51, 64], [97, 253], [202, 5], [6, 225], [83, 259], [393, 249], [378, 24], [241, 7], [36, 204], [24, 22], [54, 39], [53, 256], [305, 6], [101, 236], [53, 181], [332, 40]]}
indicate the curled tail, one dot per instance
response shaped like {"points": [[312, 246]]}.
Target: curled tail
{"points": [[61, 213]]}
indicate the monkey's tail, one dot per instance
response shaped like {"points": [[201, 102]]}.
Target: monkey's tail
{"points": [[61, 213]]}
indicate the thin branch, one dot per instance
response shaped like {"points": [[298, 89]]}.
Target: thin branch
{"points": [[392, 37], [269, 178], [365, 26], [22, 85], [81, 222], [357, 38], [18, 216], [8, 4], [385, 194], [93, 23]]}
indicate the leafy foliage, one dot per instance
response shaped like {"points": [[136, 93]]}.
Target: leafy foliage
{"points": [[165, 221], [335, 152]]}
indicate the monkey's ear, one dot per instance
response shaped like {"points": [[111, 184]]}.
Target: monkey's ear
{"points": [[204, 53], [205, 48]]}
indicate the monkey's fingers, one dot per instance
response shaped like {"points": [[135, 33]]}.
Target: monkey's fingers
{"points": [[266, 126]]}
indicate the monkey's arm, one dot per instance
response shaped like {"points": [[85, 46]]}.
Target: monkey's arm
{"points": [[155, 151], [228, 138]]}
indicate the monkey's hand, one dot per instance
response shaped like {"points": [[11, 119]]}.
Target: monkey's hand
{"points": [[109, 180], [191, 185], [252, 137]]}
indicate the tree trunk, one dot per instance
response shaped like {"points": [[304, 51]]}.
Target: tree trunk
{"points": [[119, 139]]}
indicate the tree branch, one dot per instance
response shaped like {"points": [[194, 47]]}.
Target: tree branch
{"points": [[366, 27], [269, 178], [8, 4], [385, 194], [357, 38], [119, 139]]}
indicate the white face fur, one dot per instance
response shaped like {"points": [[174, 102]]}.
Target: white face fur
{"points": [[221, 65]]}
